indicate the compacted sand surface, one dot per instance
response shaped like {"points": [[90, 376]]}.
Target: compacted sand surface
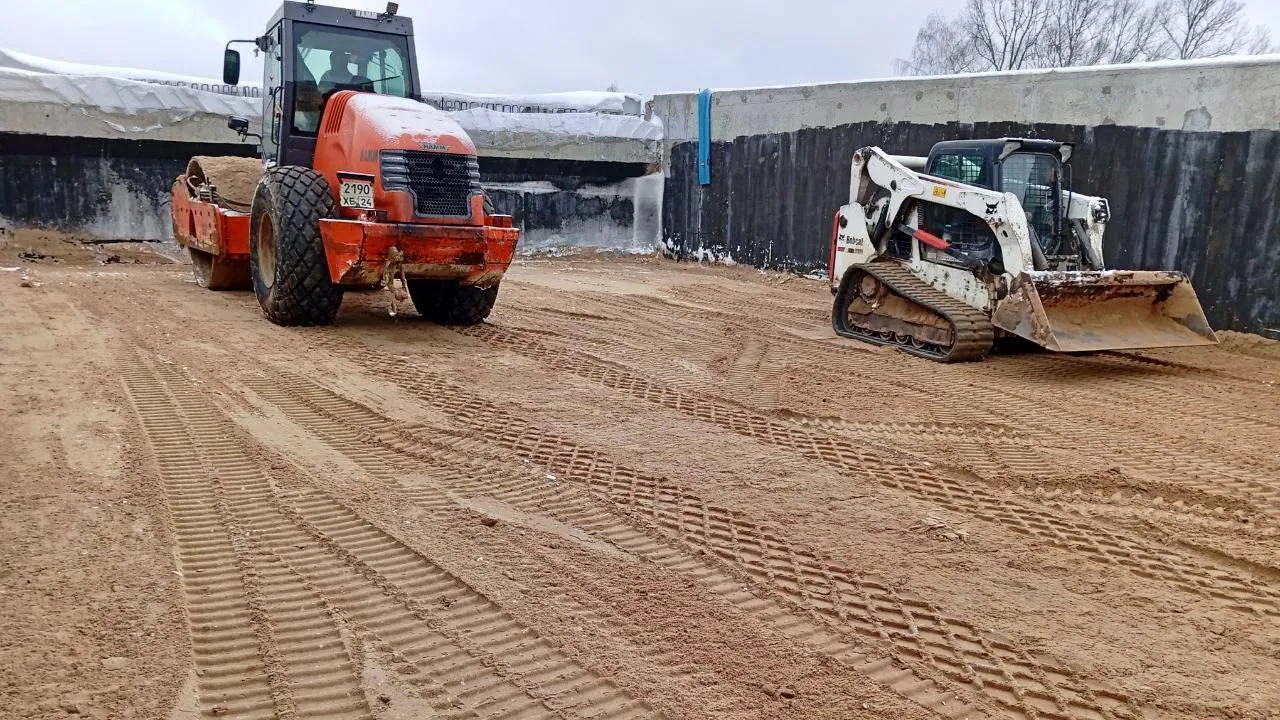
{"points": [[642, 489]]}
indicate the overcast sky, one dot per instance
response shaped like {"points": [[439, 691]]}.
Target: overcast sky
{"points": [[525, 45]]}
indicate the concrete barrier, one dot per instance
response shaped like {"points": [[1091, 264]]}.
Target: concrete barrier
{"points": [[1188, 154]]}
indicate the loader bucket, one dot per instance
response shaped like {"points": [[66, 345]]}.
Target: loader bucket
{"points": [[1104, 310]]}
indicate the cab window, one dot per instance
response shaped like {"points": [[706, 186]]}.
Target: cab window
{"points": [[329, 59], [966, 232], [967, 168], [1034, 179]]}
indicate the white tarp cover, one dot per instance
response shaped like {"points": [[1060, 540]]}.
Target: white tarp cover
{"points": [[580, 101], [98, 106], [14, 60], [577, 101], [54, 98], [506, 129]]}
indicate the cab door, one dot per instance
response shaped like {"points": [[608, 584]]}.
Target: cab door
{"points": [[272, 95]]}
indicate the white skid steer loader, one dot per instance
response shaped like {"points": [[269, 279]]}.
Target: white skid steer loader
{"points": [[941, 256]]}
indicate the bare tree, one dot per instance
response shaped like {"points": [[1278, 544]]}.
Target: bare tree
{"points": [[1089, 32], [1259, 42], [1203, 28], [943, 47], [1131, 31], [1017, 34], [1073, 34], [1006, 32]]}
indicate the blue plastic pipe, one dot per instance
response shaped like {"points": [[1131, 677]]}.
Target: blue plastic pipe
{"points": [[704, 137]]}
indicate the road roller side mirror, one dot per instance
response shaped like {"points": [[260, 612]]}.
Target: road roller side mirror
{"points": [[231, 67], [241, 126]]}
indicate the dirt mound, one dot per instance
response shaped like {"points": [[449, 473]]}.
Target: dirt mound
{"points": [[29, 246], [1249, 344]]}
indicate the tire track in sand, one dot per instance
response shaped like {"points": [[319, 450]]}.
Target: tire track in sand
{"points": [[389, 453], [477, 660], [919, 479], [1165, 462], [1005, 457], [1206, 382], [1099, 382], [922, 380], [263, 646], [993, 666]]}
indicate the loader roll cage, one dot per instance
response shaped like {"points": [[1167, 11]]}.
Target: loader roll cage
{"points": [[300, 42], [1037, 172]]}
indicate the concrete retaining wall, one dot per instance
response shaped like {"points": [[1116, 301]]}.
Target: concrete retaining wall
{"points": [[119, 190], [95, 156], [92, 152], [1187, 153]]}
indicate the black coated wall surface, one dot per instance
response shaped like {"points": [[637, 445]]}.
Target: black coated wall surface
{"points": [[1205, 203], [551, 210], [67, 184]]}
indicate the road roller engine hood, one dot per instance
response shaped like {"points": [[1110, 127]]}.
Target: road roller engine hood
{"points": [[368, 136]]}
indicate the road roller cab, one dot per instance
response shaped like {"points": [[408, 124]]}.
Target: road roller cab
{"points": [[357, 181]]}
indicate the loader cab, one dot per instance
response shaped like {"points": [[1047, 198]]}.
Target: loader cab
{"points": [[1037, 172], [311, 52]]}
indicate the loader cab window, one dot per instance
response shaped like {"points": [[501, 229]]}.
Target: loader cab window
{"points": [[1035, 178], [968, 233], [967, 168], [329, 59]]}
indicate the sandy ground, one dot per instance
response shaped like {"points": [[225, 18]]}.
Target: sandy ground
{"points": [[641, 490]]}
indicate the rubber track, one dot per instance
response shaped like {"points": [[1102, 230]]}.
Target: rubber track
{"points": [[991, 665], [919, 479], [383, 450], [263, 646], [475, 655], [971, 329]]}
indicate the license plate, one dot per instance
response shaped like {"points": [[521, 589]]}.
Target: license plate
{"points": [[356, 194]]}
